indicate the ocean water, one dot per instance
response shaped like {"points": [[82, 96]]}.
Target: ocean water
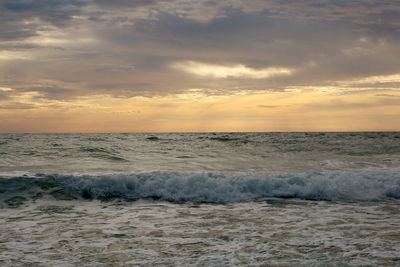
{"points": [[195, 199]]}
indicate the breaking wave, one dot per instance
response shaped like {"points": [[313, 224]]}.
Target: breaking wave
{"points": [[206, 187]]}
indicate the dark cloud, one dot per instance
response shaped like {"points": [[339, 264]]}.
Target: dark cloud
{"points": [[255, 39], [127, 3], [260, 39], [54, 92], [377, 85], [31, 5], [17, 46], [13, 28], [323, 41], [10, 34], [55, 12], [49, 92]]}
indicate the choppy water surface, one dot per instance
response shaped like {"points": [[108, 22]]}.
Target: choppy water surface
{"points": [[219, 152], [200, 199]]}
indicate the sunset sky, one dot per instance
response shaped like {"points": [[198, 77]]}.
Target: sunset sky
{"points": [[199, 65]]}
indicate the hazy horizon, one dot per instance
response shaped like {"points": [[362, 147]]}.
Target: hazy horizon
{"points": [[204, 132]]}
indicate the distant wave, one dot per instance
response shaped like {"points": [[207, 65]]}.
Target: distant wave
{"points": [[153, 138], [102, 153], [207, 187], [224, 138]]}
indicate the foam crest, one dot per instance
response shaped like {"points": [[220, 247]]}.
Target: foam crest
{"points": [[213, 187]]}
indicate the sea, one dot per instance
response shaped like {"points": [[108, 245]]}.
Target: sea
{"points": [[200, 199]]}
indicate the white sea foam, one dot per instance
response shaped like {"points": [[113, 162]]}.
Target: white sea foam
{"points": [[218, 187]]}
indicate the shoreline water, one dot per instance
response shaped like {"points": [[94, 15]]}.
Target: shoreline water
{"points": [[273, 231]]}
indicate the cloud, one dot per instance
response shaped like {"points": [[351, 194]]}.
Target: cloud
{"points": [[141, 48], [339, 104], [49, 92], [53, 11], [393, 78], [268, 106], [16, 105], [228, 71], [15, 33], [387, 95], [117, 4], [29, 5], [23, 19], [14, 55], [62, 51], [167, 105]]}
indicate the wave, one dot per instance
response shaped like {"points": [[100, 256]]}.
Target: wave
{"points": [[224, 138], [153, 138], [207, 187], [102, 153]]}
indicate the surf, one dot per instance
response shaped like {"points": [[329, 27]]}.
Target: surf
{"points": [[206, 187]]}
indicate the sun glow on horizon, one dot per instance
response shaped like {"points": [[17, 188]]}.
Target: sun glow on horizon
{"points": [[309, 110]]}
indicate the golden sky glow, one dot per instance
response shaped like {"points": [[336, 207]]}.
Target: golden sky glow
{"points": [[303, 110], [182, 65]]}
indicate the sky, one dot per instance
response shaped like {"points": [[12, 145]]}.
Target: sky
{"points": [[199, 65]]}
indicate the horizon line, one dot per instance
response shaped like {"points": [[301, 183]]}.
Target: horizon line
{"points": [[189, 132]]}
